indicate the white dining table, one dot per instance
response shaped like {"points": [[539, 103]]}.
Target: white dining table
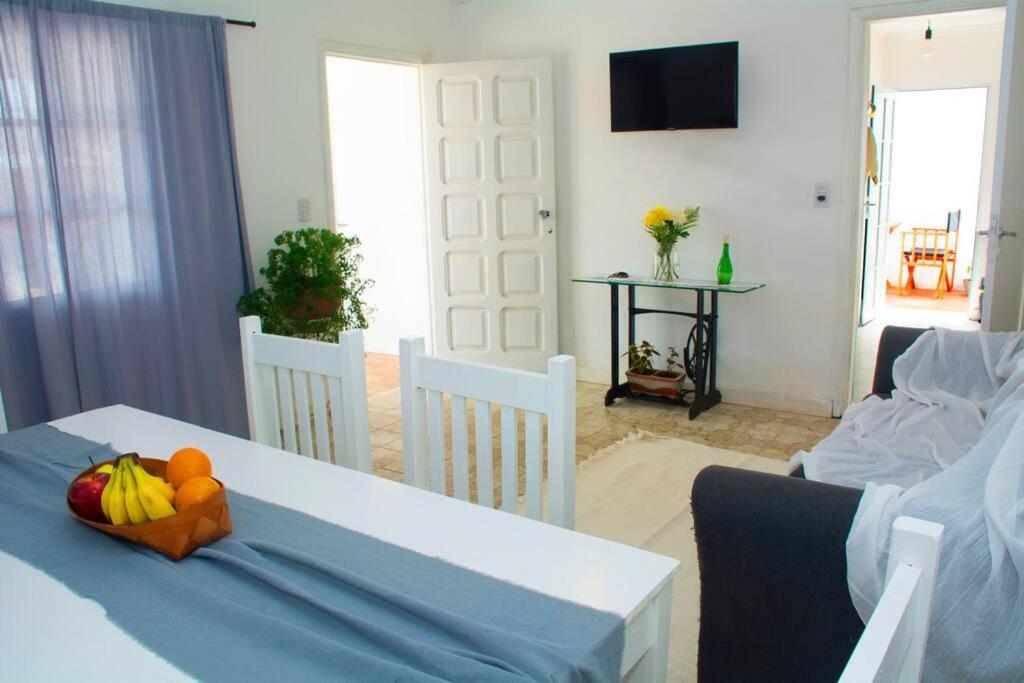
{"points": [[49, 633]]}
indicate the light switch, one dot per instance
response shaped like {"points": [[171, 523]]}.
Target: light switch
{"points": [[305, 212], [822, 195]]}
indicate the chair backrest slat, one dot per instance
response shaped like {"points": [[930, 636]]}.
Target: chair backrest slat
{"points": [[893, 643], [286, 401], [534, 466], [302, 411], [342, 454], [484, 453], [460, 449], [301, 393], [435, 422], [317, 390], [509, 459], [425, 382]]}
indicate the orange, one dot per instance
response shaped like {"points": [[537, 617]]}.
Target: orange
{"points": [[194, 491], [188, 463]]}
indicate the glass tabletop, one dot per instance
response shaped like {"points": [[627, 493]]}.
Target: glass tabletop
{"points": [[682, 283]]}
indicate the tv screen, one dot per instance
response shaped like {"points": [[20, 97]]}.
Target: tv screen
{"points": [[695, 86]]}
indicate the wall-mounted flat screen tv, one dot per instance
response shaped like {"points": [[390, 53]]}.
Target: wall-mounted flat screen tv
{"points": [[673, 88]]}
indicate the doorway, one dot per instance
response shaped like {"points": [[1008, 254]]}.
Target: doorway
{"points": [[376, 152], [932, 108]]}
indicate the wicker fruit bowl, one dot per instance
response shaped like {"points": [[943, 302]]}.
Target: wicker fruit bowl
{"points": [[177, 535]]}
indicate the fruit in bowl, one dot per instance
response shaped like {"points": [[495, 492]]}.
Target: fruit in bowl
{"points": [[195, 491], [186, 464], [124, 493], [134, 496], [138, 504], [85, 495]]}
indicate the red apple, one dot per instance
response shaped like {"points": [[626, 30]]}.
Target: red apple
{"points": [[84, 496]]}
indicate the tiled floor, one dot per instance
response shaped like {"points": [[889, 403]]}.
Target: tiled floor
{"points": [[758, 431], [917, 309]]}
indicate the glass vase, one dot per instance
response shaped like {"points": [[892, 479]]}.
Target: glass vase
{"points": [[666, 264]]}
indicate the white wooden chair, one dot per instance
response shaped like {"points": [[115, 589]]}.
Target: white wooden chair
{"points": [[425, 379], [892, 646], [283, 375]]}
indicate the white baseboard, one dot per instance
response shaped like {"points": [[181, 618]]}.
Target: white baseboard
{"points": [[757, 398]]}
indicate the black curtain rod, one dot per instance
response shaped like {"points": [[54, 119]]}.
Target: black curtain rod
{"points": [[239, 22]]}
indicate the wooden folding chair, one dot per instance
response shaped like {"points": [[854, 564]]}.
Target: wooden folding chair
{"points": [[931, 248]]}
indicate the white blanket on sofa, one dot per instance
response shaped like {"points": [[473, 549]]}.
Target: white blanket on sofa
{"points": [[949, 448]]}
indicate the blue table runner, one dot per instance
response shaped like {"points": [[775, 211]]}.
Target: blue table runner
{"points": [[290, 597]]}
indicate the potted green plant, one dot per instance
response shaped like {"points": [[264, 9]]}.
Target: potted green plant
{"points": [[645, 379], [313, 286]]}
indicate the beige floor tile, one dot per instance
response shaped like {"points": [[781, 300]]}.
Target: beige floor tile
{"points": [[770, 433]]}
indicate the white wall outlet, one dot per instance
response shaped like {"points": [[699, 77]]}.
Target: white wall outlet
{"points": [[822, 195], [305, 212]]}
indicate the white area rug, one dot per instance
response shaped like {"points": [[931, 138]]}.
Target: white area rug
{"points": [[637, 492]]}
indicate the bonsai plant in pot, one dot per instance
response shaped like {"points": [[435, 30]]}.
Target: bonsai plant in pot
{"points": [[313, 286], [643, 378]]}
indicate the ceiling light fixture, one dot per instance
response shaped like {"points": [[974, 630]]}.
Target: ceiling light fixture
{"points": [[928, 47]]}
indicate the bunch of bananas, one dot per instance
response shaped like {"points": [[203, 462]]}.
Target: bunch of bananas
{"points": [[134, 496]]}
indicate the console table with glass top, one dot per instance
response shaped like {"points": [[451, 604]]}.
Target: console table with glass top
{"points": [[699, 356]]}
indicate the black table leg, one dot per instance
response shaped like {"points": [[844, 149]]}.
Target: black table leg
{"points": [[699, 360], [616, 390], [632, 315], [714, 395]]}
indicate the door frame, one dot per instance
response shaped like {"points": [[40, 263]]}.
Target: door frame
{"points": [[852, 261]]}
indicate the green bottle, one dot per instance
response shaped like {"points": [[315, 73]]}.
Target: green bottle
{"points": [[725, 264]]}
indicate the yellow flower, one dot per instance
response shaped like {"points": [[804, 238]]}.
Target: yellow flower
{"points": [[657, 216]]}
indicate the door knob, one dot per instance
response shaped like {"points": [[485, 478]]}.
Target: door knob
{"points": [[544, 213]]}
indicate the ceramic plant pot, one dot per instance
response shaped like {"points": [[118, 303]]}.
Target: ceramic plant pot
{"points": [[314, 306], [662, 383]]}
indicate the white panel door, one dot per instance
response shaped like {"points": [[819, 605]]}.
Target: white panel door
{"points": [[490, 178]]}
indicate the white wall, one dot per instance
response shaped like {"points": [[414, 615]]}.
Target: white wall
{"points": [[276, 91], [756, 182], [780, 346]]}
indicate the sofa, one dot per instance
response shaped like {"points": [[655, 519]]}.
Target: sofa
{"points": [[771, 552]]}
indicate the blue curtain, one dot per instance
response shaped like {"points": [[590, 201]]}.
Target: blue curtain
{"points": [[122, 238]]}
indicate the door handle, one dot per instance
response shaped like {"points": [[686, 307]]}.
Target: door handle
{"points": [[544, 213], [998, 232]]}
